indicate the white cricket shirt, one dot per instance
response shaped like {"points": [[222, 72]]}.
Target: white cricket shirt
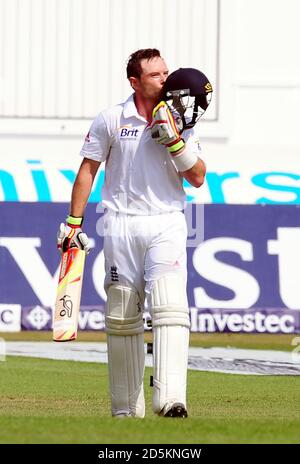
{"points": [[140, 177]]}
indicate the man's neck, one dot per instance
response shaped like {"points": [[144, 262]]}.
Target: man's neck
{"points": [[145, 106]]}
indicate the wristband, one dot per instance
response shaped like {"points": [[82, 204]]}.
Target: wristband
{"points": [[175, 147], [185, 160], [74, 221]]}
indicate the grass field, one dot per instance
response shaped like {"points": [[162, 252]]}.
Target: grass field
{"points": [[282, 342], [46, 401]]}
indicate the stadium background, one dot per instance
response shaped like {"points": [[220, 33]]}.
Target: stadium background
{"points": [[61, 62]]}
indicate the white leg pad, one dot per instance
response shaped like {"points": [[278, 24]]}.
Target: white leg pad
{"points": [[126, 357], [170, 322]]}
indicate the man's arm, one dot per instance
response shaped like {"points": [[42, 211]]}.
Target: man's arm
{"points": [[82, 186], [195, 176], [70, 234]]}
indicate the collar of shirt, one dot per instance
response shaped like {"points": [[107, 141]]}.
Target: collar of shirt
{"points": [[130, 110]]}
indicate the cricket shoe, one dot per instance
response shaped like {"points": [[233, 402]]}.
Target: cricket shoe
{"points": [[176, 410]]}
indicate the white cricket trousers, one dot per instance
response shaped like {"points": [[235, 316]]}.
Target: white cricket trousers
{"points": [[140, 249]]}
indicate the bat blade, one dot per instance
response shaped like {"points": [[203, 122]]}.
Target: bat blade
{"points": [[67, 304]]}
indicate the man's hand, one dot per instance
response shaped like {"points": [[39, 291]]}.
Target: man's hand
{"points": [[70, 235], [164, 130]]}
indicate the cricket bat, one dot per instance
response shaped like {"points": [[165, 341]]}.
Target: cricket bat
{"points": [[67, 304]]}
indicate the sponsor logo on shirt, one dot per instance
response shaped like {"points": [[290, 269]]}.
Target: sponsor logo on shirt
{"points": [[128, 132]]}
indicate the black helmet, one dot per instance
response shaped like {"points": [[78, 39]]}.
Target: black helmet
{"points": [[187, 92]]}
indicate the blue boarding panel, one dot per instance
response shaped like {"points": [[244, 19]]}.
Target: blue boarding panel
{"points": [[243, 267]]}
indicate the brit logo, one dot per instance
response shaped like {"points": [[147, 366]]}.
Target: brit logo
{"points": [[128, 133]]}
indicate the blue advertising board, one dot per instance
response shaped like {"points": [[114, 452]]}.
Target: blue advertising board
{"points": [[243, 267]]}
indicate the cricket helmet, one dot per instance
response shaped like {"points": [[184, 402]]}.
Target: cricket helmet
{"points": [[188, 93]]}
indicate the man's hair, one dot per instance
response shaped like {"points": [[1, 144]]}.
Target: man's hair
{"points": [[134, 68]]}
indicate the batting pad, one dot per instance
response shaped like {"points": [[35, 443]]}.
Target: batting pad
{"points": [[124, 315], [126, 357], [170, 321]]}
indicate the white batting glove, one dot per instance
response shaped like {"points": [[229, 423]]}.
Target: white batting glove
{"points": [[164, 130], [71, 235]]}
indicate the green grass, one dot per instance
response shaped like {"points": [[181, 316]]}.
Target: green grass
{"points": [[282, 342], [47, 401]]}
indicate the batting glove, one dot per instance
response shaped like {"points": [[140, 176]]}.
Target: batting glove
{"points": [[70, 235], [164, 130]]}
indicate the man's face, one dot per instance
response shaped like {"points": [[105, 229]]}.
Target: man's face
{"points": [[151, 81]]}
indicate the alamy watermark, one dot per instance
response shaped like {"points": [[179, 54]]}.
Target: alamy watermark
{"points": [[145, 219]]}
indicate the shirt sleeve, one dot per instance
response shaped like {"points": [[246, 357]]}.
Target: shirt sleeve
{"points": [[97, 141]]}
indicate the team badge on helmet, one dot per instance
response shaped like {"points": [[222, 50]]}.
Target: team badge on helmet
{"points": [[188, 93]]}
